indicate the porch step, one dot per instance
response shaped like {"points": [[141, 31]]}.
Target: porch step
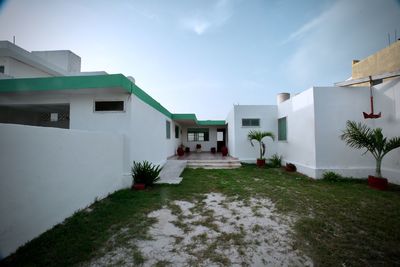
{"points": [[214, 164]]}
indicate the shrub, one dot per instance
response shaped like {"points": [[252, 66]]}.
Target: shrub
{"points": [[275, 161], [145, 173], [332, 176], [198, 146]]}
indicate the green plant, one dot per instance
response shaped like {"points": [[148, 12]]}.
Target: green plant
{"points": [[145, 173], [259, 136], [332, 176], [275, 161], [358, 135]]}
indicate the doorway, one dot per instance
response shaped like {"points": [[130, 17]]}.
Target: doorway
{"points": [[221, 137]]}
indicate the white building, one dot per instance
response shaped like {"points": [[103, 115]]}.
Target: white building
{"points": [[68, 137]]}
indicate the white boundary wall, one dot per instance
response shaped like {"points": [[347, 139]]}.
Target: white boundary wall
{"points": [[333, 107], [47, 174], [316, 119]]}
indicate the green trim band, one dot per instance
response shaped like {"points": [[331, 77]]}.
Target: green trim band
{"points": [[93, 82], [192, 117]]}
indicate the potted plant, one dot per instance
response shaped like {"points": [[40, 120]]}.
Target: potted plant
{"points": [[198, 148], [213, 150], [358, 135], [187, 149], [224, 151], [259, 136], [180, 151], [144, 174]]}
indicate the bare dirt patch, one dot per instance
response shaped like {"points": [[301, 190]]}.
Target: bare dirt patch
{"points": [[212, 232]]}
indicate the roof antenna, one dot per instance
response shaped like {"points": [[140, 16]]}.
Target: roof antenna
{"points": [[14, 39], [388, 38]]}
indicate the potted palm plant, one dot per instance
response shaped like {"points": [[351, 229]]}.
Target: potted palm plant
{"points": [[144, 174], [259, 136], [358, 135]]}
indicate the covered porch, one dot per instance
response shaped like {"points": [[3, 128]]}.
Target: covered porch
{"points": [[207, 134]]}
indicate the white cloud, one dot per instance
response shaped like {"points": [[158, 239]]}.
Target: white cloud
{"points": [[198, 25], [303, 30], [213, 16]]}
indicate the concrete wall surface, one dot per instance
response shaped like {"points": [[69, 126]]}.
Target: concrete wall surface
{"points": [[63, 59], [333, 107], [147, 134], [385, 60], [18, 69], [230, 133], [48, 173], [299, 148], [268, 122]]}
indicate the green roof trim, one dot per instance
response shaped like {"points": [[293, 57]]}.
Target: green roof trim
{"points": [[94, 82], [211, 122], [192, 117]]}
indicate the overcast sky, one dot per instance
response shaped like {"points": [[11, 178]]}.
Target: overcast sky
{"points": [[204, 56]]}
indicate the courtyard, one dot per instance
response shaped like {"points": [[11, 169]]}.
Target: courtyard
{"points": [[247, 216]]}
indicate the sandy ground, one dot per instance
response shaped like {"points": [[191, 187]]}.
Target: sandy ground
{"points": [[217, 231]]}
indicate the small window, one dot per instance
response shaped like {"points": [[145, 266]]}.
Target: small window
{"points": [[250, 122], [282, 129], [168, 129], [220, 136], [198, 134], [2, 69], [109, 106], [176, 131]]}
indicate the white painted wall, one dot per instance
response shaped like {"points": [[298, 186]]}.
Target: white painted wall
{"points": [[205, 145], [48, 173], [242, 148], [63, 59], [18, 69], [333, 107], [299, 148], [231, 140], [82, 115], [147, 134]]}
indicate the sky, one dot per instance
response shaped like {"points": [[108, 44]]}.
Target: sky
{"points": [[205, 56]]}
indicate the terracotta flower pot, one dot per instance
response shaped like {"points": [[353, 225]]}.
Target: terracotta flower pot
{"points": [[139, 186], [224, 151], [180, 152], [260, 163], [377, 182], [290, 167]]}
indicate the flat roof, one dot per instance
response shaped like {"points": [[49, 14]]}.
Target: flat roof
{"points": [[94, 82]]}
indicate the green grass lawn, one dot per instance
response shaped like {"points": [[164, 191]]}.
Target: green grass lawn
{"points": [[338, 223]]}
